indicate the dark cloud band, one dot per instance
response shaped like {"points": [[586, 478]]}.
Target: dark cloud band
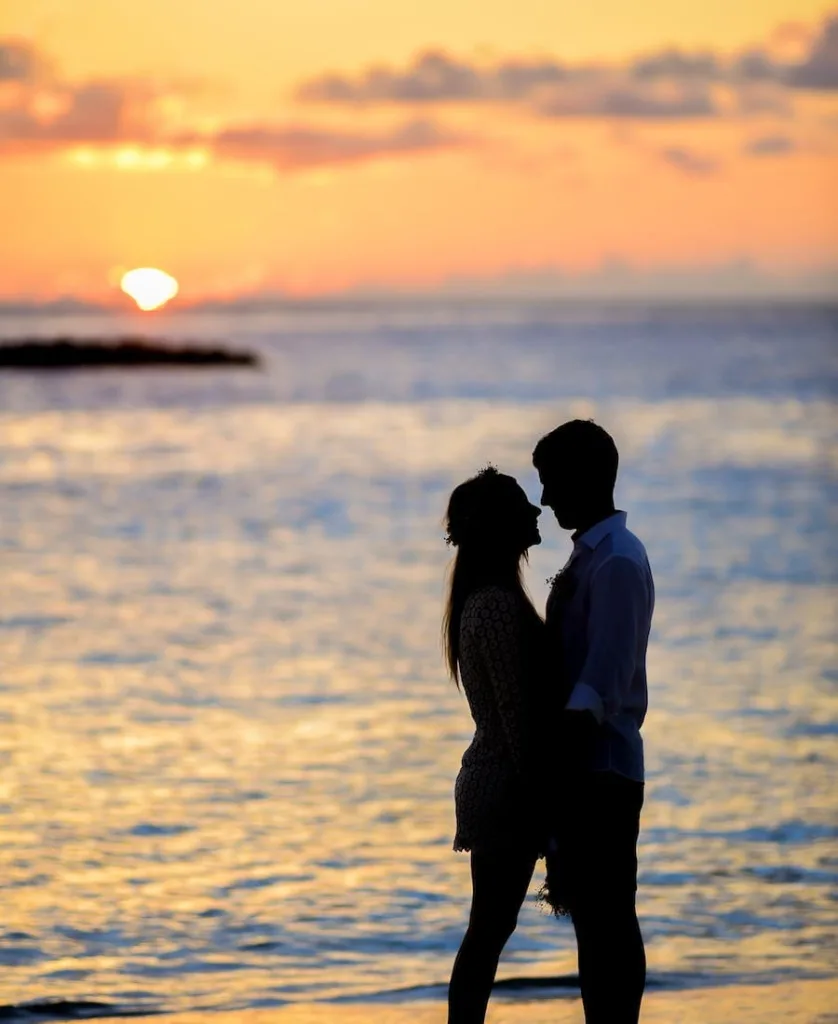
{"points": [[669, 83]]}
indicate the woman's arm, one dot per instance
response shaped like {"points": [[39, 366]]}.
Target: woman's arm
{"points": [[497, 625]]}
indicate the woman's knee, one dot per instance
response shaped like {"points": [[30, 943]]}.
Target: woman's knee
{"points": [[492, 927]]}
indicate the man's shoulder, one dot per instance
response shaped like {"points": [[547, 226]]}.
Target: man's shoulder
{"points": [[622, 544]]}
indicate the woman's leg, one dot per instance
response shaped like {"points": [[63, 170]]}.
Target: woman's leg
{"points": [[499, 886]]}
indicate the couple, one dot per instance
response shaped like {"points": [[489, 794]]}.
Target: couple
{"points": [[556, 765]]}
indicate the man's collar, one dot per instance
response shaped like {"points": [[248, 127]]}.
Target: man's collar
{"points": [[596, 534]]}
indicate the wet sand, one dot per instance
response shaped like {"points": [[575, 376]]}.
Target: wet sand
{"points": [[804, 1002]]}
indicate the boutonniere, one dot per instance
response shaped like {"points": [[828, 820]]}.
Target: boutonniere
{"points": [[562, 585]]}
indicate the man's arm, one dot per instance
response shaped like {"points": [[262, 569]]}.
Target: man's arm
{"points": [[617, 612]]}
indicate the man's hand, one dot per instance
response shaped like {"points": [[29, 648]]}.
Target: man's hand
{"points": [[578, 731]]}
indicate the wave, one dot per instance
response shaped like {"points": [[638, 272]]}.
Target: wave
{"points": [[543, 986], [41, 1011]]}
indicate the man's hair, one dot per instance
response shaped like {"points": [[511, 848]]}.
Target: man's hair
{"points": [[584, 448]]}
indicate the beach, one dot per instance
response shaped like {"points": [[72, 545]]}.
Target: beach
{"points": [[802, 1002]]}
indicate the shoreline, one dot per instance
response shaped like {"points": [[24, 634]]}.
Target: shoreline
{"points": [[783, 1002]]}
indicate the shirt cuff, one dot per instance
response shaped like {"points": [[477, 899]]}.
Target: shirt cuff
{"points": [[585, 698]]}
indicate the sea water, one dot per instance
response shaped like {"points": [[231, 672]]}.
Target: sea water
{"points": [[227, 740]]}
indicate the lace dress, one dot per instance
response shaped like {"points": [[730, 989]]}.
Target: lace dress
{"points": [[501, 655]]}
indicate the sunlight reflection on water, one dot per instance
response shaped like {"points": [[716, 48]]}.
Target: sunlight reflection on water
{"points": [[228, 746]]}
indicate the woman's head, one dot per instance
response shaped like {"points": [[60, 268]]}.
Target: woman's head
{"points": [[492, 524], [491, 515]]}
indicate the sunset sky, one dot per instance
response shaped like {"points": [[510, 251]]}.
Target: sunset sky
{"points": [[261, 146]]}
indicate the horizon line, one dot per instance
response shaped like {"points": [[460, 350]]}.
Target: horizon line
{"points": [[278, 301]]}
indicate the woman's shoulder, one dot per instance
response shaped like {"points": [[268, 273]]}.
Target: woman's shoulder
{"points": [[496, 603]]}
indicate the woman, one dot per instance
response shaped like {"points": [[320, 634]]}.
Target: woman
{"points": [[493, 640]]}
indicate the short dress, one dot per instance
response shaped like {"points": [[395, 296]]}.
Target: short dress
{"points": [[501, 657]]}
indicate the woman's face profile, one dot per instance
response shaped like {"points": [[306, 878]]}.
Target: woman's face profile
{"points": [[493, 513], [523, 518]]}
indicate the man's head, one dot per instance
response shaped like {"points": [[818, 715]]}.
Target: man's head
{"points": [[577, 465]]}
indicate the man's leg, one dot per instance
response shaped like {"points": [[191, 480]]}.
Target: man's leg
{"points": [[612, 962], [612, 959]]}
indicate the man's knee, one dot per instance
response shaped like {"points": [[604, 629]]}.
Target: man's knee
{"points": [[605, 914]]}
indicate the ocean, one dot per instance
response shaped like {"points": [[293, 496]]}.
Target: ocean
{"points": [[227, 740]]}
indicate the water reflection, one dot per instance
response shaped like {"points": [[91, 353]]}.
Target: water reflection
{"points": [[227, 742]]}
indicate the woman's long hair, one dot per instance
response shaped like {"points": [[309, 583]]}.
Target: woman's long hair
{"points": [[481, 528]]}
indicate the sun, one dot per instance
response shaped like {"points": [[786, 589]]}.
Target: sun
{"points": [[148, 287]]}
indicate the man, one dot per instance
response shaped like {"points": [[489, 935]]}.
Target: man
{"points": [[600, 612]]}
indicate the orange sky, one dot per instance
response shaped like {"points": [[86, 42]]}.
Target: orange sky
{"points": [[247, 146]]}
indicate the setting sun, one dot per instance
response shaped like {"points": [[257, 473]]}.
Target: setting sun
{"points": [[148, 287]]}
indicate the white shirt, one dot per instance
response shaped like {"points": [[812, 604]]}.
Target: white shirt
{"points": [[605, 624]]}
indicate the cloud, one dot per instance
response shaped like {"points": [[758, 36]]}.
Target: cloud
{"points": [[39, 109], [687, 161], [18, 61], [770, 145], [299, 147], [763, 97], [94, 112], [616, 278], [125, 119], [629, 100], [665, 85], [820, 69], [678, 65], [669, 83], [669, 86], [101, 115], [757, 66], [435, 77]]}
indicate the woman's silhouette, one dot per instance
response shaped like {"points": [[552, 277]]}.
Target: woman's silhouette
{"points": [[493, 640]]}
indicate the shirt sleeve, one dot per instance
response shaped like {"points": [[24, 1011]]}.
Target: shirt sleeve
{"points": [[498, 631], [617, 614]]}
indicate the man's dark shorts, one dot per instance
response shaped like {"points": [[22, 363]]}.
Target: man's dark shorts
{"points": [[598, 839]]}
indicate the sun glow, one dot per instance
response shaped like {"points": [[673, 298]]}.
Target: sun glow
{"points": [[148, 287]]}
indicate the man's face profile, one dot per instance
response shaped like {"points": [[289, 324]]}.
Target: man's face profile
{"points": [[559, 492]]}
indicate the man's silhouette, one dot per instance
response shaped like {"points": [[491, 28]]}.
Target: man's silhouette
{"points": [[599, 612]]}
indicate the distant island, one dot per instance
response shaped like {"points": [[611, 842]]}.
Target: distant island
{"points": [[66, 353]]}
